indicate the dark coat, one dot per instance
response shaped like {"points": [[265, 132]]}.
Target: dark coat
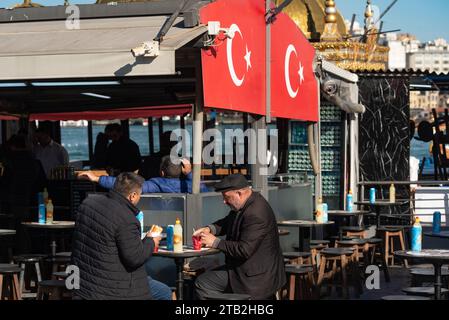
{"points": [[252, 249], [123, 155], [108, 249]]}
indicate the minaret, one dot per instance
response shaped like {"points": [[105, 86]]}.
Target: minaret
{"points": [[368, 16], [330, 32]]}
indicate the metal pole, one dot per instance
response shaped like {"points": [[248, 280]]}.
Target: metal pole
{"points": [[260, 181], [268, 65], [90, 141], [151, 135], [198, 117]]}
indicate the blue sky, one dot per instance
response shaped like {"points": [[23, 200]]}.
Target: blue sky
{"points": [[428, 19]]}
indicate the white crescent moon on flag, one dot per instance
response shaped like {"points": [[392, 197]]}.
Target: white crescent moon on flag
{"points": [[288, 84], [232, 30]]}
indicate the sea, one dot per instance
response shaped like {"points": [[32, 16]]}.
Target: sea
{"points": [[74, 139]]}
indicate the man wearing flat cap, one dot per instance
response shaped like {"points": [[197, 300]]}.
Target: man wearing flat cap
{"points": [[254, 262]]}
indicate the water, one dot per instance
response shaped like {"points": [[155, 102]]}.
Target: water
{"points": [[75, 139], [420, 150]]}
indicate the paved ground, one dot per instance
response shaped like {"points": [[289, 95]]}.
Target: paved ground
{"points": [[400, 278]]}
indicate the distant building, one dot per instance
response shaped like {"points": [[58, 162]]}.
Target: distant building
{"points": [[432, 56], [400, 44], [426, 100]]}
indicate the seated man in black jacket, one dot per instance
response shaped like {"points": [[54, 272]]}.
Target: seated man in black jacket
{"points": [[254, 262], [107, 245]]}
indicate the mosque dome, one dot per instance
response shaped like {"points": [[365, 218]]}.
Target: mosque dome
{"points": [[310, 15]]}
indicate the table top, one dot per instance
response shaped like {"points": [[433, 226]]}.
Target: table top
{"points": [[302, 223], [7, 232], [381, 203], [283, 232], [343, 213], [431, 255], [442, 234], [187, 253], [54, 225]]}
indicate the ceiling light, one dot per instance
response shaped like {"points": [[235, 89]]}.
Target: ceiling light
{"points": [[96, 95]]}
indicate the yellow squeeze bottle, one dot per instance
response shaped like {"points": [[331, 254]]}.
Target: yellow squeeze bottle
{"points": [[177, 236], [49, 219]]}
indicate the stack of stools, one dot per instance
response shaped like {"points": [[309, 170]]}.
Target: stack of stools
{"points": [[354, 232], [59, 262], [297, 257], [388, 234], [361, 249], [31, 270], [329, 269], [376, 252], [51, 290], [300, 276], [9, 282]]}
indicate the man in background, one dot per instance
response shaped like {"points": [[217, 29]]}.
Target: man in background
{"points": [[122, 154], [50, 153]]}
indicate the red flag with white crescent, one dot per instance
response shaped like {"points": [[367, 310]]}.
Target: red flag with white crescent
{"points": [[234, 66], [294, 89]]}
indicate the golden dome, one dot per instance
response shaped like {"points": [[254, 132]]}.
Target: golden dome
{"points": [[310, 15]]}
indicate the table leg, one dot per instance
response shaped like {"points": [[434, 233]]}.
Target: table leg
{"points": [[438, 281], [378, 216], [53, 245], [180, 278], [304, 238], [384, 262]]}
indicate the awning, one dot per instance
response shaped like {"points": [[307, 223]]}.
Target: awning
{"points": [[100, 48]]}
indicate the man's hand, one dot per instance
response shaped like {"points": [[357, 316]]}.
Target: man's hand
{"points": [[198, 232], [186, 166], [156, 240], [89, 175], [207, 239]]}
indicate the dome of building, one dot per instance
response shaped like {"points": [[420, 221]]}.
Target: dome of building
{"points": [[309, 15]]}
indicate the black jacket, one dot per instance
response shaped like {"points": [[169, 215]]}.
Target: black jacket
{"points": [[123, 155], [253, 253], [108, 250]]}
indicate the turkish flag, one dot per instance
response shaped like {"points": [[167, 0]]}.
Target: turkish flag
{"points": [[294, 89], [234, 68]]}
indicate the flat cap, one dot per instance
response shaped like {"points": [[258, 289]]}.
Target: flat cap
{"points": [[232, 182]]}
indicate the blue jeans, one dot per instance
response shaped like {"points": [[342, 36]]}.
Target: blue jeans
{"points": [[159, 290]]}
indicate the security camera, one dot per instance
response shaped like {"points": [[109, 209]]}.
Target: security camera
{"points": [[146, 49], [330, 86]]}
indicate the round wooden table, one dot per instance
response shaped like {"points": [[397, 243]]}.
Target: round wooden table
{"points": [[179, 258], [436, 257], [55, 226]]}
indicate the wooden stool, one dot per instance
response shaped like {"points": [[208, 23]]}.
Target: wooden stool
{"points": [[228, 296], [58, 263], [301, 275], [324, 243], [62, 275], [388, 234], [403, 298], [423, 291], [51, 289], [26, 262], [354, 232], [298, 257], [334, 255], [9, 280]]}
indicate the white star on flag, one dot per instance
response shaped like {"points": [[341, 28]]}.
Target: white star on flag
{"points": [[248, 59], [301, 73]]}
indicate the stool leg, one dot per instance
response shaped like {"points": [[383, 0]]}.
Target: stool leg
{"points": [[22, 276], [1, 287], [387, 247], [16, 288], [291, 290], [391, 255], [344, 264], [38, 272], [320, 276], [401, 239]]}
